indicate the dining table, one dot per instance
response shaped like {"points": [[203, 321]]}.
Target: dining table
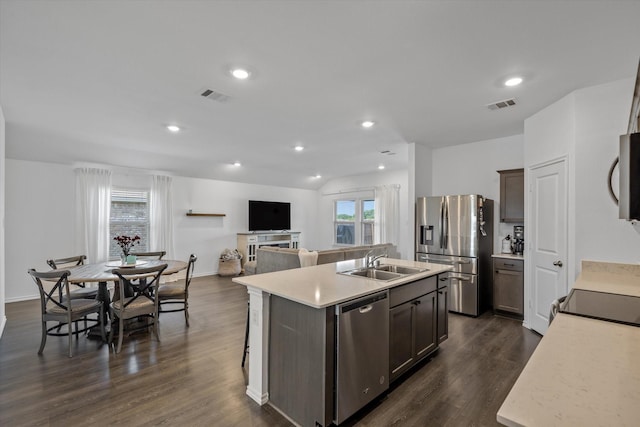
{"points": [[102, 273]]}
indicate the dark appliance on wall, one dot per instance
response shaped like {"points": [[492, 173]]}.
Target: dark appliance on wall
{"points": [[628, 198], [518, 240], [458, 231], [629, 204], [267, 216]]}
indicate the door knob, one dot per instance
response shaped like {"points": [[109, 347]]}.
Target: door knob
{"points": [[558, 263]]}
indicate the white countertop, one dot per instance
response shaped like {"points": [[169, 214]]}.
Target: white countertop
{"points": [[320, 286], [584, 372], [623, 279], [508, 256]]}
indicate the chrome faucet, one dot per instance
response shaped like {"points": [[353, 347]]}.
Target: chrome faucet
{"points": [[370, 260]]}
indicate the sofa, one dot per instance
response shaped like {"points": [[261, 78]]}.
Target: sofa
{"points": [[269, 259]]}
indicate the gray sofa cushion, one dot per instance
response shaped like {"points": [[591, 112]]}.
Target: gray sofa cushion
{"points": [[354, 253], [270, 259], [331, 255], [274, 259]]}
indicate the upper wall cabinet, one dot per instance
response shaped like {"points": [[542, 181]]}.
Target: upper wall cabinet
{"points": [[512, 195]]}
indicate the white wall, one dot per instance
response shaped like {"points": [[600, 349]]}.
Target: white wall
{"points": [[584, 127], [39, 221], [548, 135], [368, 181], [3, 317], [207, 236], [472, 169], [41, 207], [602, 115], [422, 162], [420, 177]]}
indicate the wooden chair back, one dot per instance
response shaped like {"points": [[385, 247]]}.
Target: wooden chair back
{"points": [[149, 255]]}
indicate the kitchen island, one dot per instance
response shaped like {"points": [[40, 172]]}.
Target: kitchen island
{"points": [[296, 309], [585, 371]]}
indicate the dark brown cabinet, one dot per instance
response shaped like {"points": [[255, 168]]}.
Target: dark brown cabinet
{"points": [[426, 312], [413, 324], [512, 195], [443, 309], [508, 285]]}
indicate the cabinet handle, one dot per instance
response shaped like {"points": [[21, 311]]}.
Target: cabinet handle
{"points": [[417, 302], [444, 279], [510, 265]]}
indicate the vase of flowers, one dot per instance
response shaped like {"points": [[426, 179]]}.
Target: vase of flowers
{"points": [[126, 243]]}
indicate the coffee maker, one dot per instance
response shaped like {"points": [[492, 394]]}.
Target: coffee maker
{"points": [[517, 247]]}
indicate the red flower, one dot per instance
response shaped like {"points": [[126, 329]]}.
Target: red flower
{"points": [[127, 242]]}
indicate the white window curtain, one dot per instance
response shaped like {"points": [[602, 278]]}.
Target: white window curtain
{"points": [[161, 216], [387, 214], [93, 206]]}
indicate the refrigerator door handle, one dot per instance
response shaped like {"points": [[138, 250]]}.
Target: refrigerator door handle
{"points": [[441, 222], [445, 224]]}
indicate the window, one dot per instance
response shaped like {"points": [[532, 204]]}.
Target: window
{"points": [[354, 222], [367, 221], [129, 216]]}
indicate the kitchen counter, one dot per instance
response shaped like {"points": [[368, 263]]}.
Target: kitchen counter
{"points": [[623, 279], [508, 256], [584, 371], [320, 286]]}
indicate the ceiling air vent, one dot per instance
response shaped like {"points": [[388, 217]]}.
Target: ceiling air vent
{"points": [[502, 104], [214, 96]]}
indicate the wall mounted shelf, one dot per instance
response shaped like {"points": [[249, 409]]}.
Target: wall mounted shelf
{"points": [[204, 214]]}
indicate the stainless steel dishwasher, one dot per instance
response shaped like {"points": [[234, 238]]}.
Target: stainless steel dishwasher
{"points": [[362, 359]]}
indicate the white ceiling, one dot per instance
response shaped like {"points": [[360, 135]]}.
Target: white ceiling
{"points": [[98, 81]]}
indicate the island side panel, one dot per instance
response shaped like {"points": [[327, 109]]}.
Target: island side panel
{"points": [[301, 361], [257, 389]]}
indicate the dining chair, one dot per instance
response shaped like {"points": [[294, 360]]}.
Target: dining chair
{"points": [[143, 304], [178, 294], [82, 292], [149, 255], [65, 311]]}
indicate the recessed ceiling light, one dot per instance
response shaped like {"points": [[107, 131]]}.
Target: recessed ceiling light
{"points": [[381, 167], [367, 124], [299, 148], [236, 164], [240, 73], [173, 128], [318, 176], [514, 81]]}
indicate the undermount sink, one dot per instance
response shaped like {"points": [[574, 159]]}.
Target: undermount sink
{"points": [[372, 273], [400, 269], [383, 272]]}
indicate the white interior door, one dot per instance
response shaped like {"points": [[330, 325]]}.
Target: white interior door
{"points": [[548, 240]]}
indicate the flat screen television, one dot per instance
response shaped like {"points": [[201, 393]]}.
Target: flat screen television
{"points": [[264, 216]]}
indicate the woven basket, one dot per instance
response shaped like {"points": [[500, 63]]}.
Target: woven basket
{"points": [[229, 267]]}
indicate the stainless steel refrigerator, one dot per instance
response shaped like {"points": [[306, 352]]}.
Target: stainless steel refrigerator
{"points": [[458, 231]]}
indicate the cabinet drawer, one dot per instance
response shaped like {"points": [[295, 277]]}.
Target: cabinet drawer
{"points": [[412, 290], [508, 264]]}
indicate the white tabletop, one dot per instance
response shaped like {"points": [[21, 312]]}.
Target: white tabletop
{"points": [[100, 272]]}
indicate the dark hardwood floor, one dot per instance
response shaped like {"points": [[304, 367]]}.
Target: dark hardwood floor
{"points": [[193, 376]]}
